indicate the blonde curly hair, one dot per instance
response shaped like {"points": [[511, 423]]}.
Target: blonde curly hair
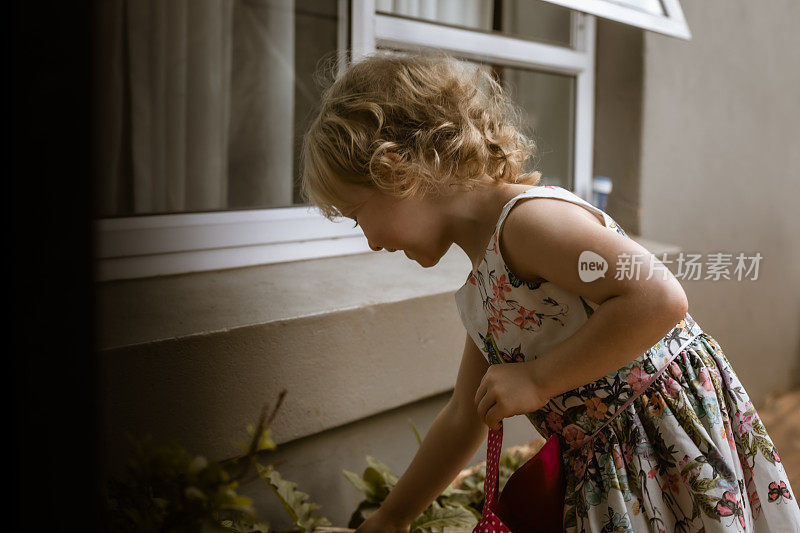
{"points": [[408, 125]]}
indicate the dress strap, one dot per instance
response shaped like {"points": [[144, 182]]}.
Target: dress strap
{"points": [[550, 191], [536, 191]]}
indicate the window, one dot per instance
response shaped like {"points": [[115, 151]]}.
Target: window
{"points": [[662, 16], [200, 112], [202, 106], [542, 53]]}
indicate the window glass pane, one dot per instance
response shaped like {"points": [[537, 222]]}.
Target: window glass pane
{"points": [[202, 105], [536, 20], [550, 102]]}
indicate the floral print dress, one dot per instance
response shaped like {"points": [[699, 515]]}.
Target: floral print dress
{"points": [[669, 443]]}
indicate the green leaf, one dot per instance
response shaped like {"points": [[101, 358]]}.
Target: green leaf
{"points": [[294, 501], [198, 463], [703, 484], [193, 493], [758, 426], [377, 484], [765, 448], [689, 466], [374, 478], [707, 504], [388, 475], [436, 517], [265, 441], [416, 433], [362, 485], [237, 502]]}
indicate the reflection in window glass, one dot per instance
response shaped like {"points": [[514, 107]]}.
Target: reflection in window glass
{"points": [[529, 19], [201, 105]]}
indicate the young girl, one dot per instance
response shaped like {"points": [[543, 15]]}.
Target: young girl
{"points": [[657, 432]]}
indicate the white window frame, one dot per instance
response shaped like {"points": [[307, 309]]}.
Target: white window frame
{"points": [[145, 246], [672, 23], [140, 247]]}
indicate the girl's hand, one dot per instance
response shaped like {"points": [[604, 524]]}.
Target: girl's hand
{"points": [[506, 390], [378, 523]]}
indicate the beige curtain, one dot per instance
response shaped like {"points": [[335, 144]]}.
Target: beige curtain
{"points": [[193, 104], [470, 13]]}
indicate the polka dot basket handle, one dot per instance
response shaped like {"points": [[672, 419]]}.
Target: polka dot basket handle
{"points": [[489, 522]]}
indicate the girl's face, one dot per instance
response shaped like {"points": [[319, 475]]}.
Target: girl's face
{"points": [[412, 225]]}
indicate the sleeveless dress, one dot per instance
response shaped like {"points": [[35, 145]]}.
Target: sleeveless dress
{"points": [[669, 443]]}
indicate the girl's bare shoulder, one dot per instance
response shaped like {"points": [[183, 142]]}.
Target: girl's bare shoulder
{"points": [[545, 239]]}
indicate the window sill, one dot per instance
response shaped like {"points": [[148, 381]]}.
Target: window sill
{"points": [[154, 309]]}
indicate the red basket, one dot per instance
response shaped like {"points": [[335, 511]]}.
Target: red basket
{"points": [[532, 498]]}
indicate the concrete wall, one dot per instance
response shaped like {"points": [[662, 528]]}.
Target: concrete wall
{"points": [[720, 171]]}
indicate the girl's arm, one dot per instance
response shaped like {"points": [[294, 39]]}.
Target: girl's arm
{"points": [[619, 331], [449, 444], [544, 238]]}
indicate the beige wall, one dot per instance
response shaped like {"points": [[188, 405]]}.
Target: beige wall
{"points": [[720, 171], [618, 118]]}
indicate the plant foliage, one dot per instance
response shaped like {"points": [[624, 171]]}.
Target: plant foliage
{"points": [[458, 506], [167, 489]]}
